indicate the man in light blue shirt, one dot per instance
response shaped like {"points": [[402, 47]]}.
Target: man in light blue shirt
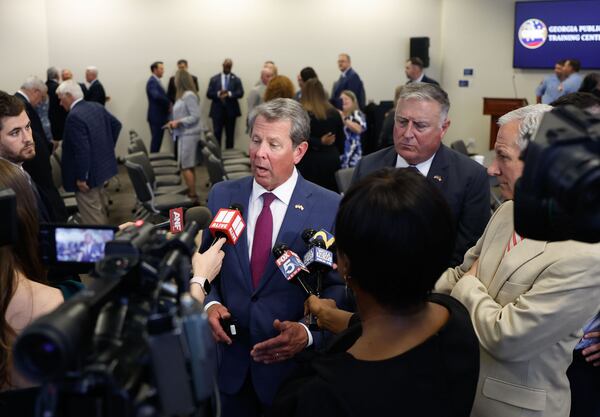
{"points": [[550, 88], [573, 79]]}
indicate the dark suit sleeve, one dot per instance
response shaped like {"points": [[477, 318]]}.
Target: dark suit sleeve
{"points": [[81, 148], [157, 94], [115, 127], [474, 216], [355, 84], [213, 88], [238, 89]]}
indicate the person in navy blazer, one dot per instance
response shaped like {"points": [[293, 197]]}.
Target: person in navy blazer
{"points": [[95, 92], [420, 125], [159, 105], [414, 72], [253, 365], [349, 80], [88, 158], [224, 90]]}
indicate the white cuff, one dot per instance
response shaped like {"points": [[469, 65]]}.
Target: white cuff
{"points": [[207, 306], [310, 338]]}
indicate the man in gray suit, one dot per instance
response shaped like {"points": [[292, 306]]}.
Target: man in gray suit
{"points": [[421, 122], [527, 299]]}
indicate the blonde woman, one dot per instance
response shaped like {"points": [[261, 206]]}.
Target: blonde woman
{"points": [[186, 127], [355, 124]]}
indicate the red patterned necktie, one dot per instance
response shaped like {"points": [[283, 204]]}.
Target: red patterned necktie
{"points": [[261, 245], [514, 240]]}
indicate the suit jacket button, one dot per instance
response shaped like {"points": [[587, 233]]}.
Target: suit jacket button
{"points": [[254, 298]]}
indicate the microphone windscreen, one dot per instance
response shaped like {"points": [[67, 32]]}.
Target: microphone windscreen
{"points": [[238, 207], [200, 215]]}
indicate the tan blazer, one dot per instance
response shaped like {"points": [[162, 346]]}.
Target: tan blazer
{"points": [[527, 308]]}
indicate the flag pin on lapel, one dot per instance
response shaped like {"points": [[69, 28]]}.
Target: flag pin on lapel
{"points": [[299, 207], [437, 178]]}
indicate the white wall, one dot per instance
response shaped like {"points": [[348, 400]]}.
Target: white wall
{"points": [[23, 42], [122, 38]]}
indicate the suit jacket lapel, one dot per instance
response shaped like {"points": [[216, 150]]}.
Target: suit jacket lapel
{"points": [[438, 172], [293, 223], [390, 158], [241, 248]]}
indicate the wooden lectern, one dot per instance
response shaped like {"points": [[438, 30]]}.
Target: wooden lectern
{"points": [[497, 107]]}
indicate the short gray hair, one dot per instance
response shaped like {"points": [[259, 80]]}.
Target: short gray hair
{"points": [[71, 88], [284, 109], [93, 70], [34, 83], [529, 117], [52, 73], [427, 92]]}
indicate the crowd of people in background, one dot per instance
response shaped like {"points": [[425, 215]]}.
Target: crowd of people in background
{"points": [[454, 313]]}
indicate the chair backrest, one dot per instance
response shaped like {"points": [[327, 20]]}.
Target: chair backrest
{"points": [[213, 145], [56, 171], [140, 144], [216, 173], [141, 159], [141, 186], [460, 147], [134, 147], [343, 179]]}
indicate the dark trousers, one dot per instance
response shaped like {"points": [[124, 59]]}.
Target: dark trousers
{"points": [[157, 133], [244, 403], [227, 121], [585, 386]]}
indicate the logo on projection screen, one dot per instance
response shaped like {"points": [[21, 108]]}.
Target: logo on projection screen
{"points": [[533, 33]]}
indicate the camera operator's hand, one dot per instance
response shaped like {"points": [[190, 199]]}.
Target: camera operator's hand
{"points": [[208, 264], [291, 340], [592, 353], [216, 312]]}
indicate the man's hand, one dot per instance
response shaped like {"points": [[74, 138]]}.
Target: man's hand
{"points": [[208, 264], [173, 124], [291, 340], [214, 313], [592, 353], [83, 187]]}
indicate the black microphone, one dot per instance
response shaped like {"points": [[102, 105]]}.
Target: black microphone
{"points": [[291, 266], [200, 214]]}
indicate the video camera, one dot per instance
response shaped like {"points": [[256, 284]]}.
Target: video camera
{"points": [[558, 196], [132, 343]]}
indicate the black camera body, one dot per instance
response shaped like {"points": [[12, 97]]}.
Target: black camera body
{"points": [[129, 341], [558, 196]]}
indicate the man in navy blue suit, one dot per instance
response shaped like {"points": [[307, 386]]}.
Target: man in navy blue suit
{"points": [[420, 124], [224, 90], [349, 80], [278, 204], [414, 72], [159, 105], [88, 158]]}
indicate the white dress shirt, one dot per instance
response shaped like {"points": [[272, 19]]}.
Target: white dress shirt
{"points": [[423, 167]]}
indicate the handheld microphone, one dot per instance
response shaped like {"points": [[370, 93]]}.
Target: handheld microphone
{"points": [[228, 223], [327, 239], [291, 266], [177, 219]]}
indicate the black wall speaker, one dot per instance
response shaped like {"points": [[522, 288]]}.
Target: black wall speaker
{"points": [[419, 47]]}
